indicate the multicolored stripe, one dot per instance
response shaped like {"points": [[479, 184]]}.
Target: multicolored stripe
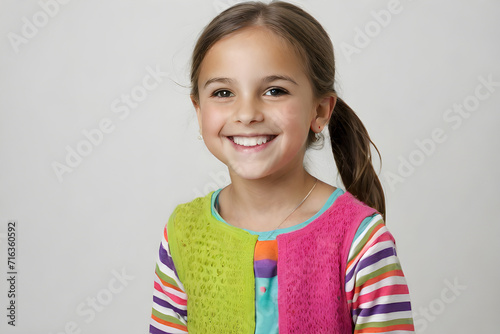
{"points": [[376, 289], [169, 314]]}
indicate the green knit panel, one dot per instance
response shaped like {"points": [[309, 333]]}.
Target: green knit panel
{"points": [[214, 262]]}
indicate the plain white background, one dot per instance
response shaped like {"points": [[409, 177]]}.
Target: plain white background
{"points": [[89, 229]]}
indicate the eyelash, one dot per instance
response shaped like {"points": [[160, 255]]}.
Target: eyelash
{"points": [[216, 93], [280, 92]]}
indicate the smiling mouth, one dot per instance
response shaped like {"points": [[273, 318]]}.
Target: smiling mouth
{"points": [[251, 141]]}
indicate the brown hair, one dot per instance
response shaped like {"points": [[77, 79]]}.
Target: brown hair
{"points": [[349, 139]]}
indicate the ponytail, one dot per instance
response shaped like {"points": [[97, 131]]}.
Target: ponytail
{"points": [[351, 149], [350, 140]]}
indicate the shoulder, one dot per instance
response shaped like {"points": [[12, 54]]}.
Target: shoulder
{"points": [[373, 248], [346, 210], [349, 203], [370, 231], [195, 207], [186, 215], [182, 221], [355, 212]]}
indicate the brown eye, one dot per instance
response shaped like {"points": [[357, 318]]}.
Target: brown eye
{"points": [[222, 93]]}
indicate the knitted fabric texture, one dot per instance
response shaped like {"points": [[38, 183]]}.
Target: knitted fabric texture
{"points": [[214, 262], [311, 270]]}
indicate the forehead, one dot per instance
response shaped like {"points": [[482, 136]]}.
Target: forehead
{"points": [[253, 51]]}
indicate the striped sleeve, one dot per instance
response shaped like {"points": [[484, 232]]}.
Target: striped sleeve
{"points": [[169, 314], [376, 288]]}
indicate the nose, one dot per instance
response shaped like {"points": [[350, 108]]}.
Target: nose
{"points": [[248, 110]]}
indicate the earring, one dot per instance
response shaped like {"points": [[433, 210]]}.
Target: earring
{"points": [[200, 136]]}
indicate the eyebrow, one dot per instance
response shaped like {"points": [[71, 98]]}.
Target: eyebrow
{"points": [[267, 79], [218, 79], [276, 77]]}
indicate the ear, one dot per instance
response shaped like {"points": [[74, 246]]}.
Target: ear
{"points": [[324, 110], [196, 106]]}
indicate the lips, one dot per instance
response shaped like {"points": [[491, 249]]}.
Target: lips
{"points": [[249, 141]]}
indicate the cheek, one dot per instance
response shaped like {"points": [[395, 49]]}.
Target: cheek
{"points": [[211, 120], [293, 117]]}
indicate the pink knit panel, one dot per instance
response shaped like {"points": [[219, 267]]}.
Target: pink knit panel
{"points": [[311, 270]]}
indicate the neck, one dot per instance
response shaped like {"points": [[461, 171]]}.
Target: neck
{"points": [[264, 203]]}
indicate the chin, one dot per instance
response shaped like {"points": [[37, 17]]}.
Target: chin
{"points": [[249, 172], [250, 175]]}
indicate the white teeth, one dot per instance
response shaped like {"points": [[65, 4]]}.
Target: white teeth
{"points": [[251, 141]]}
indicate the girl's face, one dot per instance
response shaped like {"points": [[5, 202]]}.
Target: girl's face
{"points": [[256, 104]]}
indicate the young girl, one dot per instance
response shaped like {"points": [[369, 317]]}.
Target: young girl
{"points": [[277, 250]]}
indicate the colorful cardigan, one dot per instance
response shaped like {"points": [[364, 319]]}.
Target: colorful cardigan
{"points": [[214, 262]]}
